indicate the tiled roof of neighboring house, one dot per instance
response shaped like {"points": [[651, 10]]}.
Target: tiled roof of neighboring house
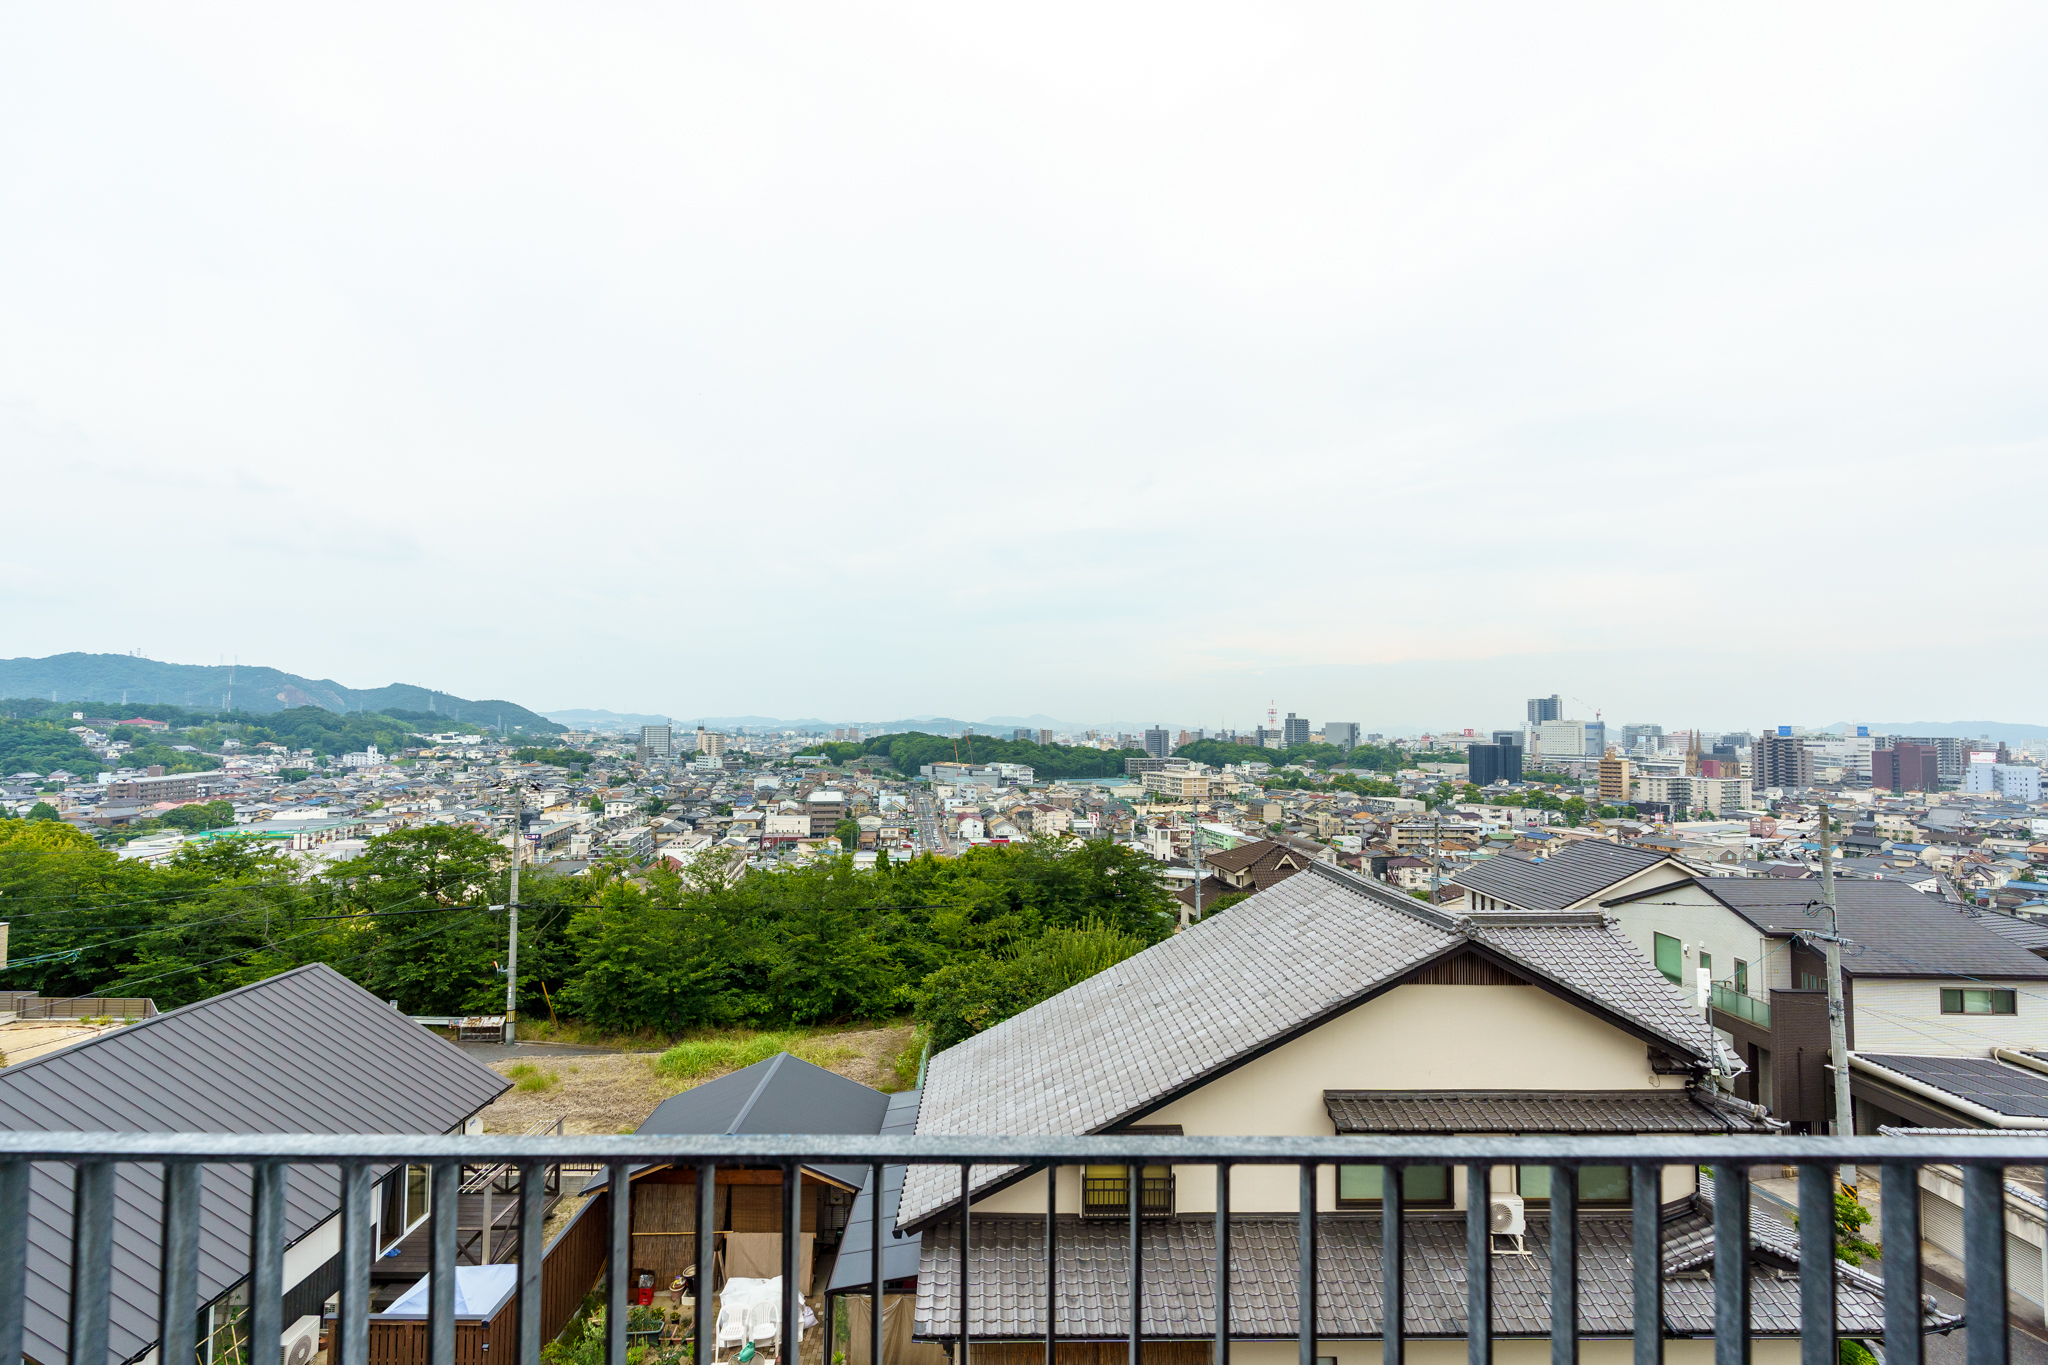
{"points": [[2028, 933], [899, 1252], [1563, 879], [1981, 1080], [307, 1051], [1007, 1294], [1892, 929], [1228, 987], [1677, 1110], [1212, 889], [1252, 854]]}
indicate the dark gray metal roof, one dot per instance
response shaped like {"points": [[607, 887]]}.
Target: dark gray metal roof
{"points": [[1226, 988], [1007, 1296], [1892, 930], [2030, 934], [899, 1252], [1563, 879], [1981, 1080], [1678, 1110], [784, 1094], [307, 1051]]}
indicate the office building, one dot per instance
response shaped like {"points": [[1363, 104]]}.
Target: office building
{"points": [[2016, 782], [1293, 731], [1614, 779], [1561, 739], [1490, 763], [1545, 708], [1781, 759], [1595, 741], [1632, 735], [1949, 752], [1342, 733], [1513, 737], [1158, 743], [1905, 768], [709, 742], [654, 743]]}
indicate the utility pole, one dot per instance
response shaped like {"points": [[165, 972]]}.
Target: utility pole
{"points": [[512, 918], [1838, 1019]]}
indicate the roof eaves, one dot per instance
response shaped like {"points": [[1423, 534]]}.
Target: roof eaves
{"points": [[1381, 894]]}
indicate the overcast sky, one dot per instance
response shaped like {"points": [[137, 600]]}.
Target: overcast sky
{"points": [[1389, 362]]}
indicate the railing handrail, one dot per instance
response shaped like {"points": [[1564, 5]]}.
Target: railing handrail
{"points": [[2016, 1147]]}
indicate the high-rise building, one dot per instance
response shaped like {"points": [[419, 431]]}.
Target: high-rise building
{"points": [[1293, 731], [1614, 777], [1595, 741], [1045, 736], [654, 742], [1949, 752], [1490, 763], [1561, 739], [1781, 759], [1545, 708], [1631, 734], [710, 742], [1905, 768], [1985, 774], [1342, 733], [1158, 743]]}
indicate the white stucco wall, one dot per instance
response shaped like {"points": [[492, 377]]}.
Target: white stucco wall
{"points": [[1697, 920], [1905, 1016]]}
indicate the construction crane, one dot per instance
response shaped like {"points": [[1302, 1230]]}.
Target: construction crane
{"points": [[1583, 702]]}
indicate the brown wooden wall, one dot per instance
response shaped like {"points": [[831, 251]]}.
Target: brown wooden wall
{"points": [[404, 1342], [574, 1263]]}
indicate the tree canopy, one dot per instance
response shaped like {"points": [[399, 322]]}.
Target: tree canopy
{"points": [[910, 750]]}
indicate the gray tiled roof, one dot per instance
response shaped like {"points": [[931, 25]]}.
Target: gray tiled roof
{"points": [[1007, 1293], [1227, 987], [1526, 1111], [1981, 1080], [1892, 929], [308, 1051], [1561, 880]]}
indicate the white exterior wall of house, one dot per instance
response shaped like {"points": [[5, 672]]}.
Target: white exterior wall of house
{"points": [[1411, 1038], [1697, 920], [1506, 1351], [1904, 1015]]}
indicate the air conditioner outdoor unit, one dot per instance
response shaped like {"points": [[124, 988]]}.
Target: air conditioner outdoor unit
{"points": [[302, 1340], [1504, 1215]]}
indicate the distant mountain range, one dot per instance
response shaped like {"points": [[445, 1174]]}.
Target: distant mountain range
{"points": [[117, 678]]}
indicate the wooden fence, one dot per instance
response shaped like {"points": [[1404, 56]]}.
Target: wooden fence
{"points": [[573, 1263]]}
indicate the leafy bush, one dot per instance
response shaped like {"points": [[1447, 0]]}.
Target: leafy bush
{"points": [[967, 997]]}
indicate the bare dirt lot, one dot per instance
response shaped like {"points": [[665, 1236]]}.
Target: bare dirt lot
{"points": [[614, 1093]]}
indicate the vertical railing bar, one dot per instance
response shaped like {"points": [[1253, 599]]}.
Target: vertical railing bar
{"points": [[1817, 1266], [875, 1269], [266, 1252], [1222, 1263], [707, 1267], [618, 1263], [1731, 1264], [1899, 1228], [1646, 1261], [966, 1188], [533, 1194], [1392, 1210], [92, 1250], [177, 1298], [790, 1339], [14, 1179], [1305, 1285], [446, 1197], [1478, 1265], [1564, 1265], [358, 1249], [1134, 1200], [1052, 1297], [1984, 1302]]}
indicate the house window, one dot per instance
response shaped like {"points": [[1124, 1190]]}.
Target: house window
{"points": [[1597, 1184], [1421, 1186], [407, 1200], [1106, 1191], [1671, 957], [1978, 1002], [1741, 977], [1811, 981]]}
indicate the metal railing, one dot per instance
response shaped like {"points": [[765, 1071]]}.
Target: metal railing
{"points": [[95, 1157], [1726, 1000]]}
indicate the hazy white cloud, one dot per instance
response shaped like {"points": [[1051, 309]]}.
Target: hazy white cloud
{"points": [[1094, 361]]}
